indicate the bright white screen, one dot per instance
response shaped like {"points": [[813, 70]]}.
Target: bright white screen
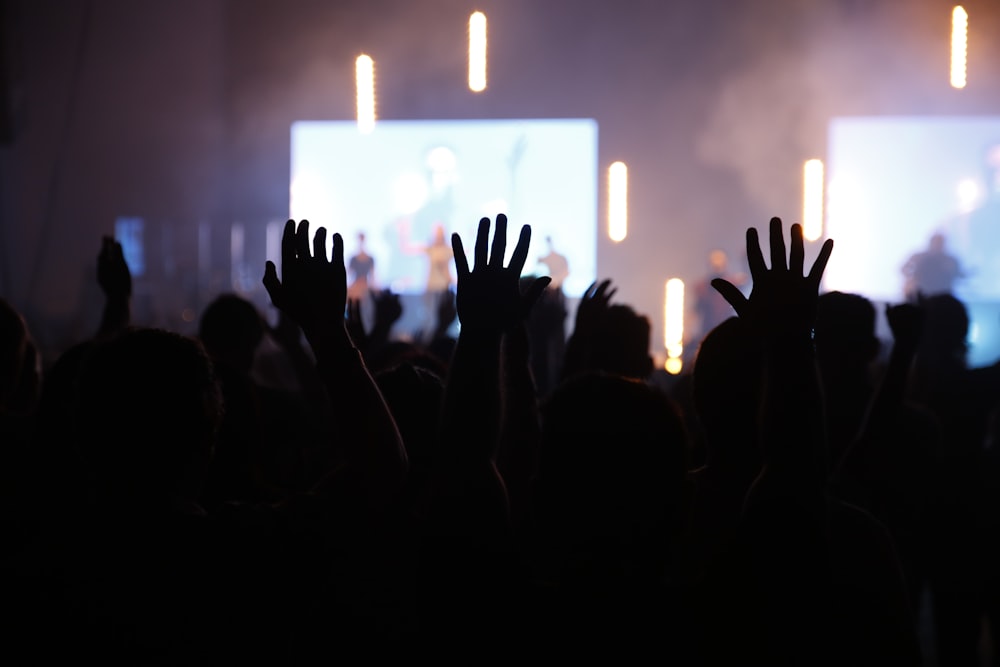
{"points": [[893, 181], [397, 182]]}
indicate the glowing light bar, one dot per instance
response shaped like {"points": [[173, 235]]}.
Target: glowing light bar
{"points": [[477, 52], [812, 199], [364, 71], [959, 46], [673, 324], [617, 201]]}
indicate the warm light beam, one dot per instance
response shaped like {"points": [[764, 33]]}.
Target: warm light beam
{"points": [[812, 199], [364, 70], [959, 46], [617, 201], [673, 324], [477, 52]]}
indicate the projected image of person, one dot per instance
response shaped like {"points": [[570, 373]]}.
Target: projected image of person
{"points": [[439, 276], [360, 271], [931, 271], [430, 202], [557, 265]]}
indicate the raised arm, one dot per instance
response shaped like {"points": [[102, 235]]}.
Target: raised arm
{"points": [[590, 314], [313, 292], [489, 303], [781, 311], [115, 279]]}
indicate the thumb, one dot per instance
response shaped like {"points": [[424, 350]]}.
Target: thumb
{"points": [[272, 284]]}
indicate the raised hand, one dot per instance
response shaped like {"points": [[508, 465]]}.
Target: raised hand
{"points": [[783, 300], [593, 305], [113, 274], [115, 279], [489, 298], [312, 290]]}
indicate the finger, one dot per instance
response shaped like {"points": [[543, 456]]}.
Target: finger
{"points": [[271, 283], [602, 288], [499, 248], [337, 257], [520, 255], [319, 245], [796, 257], [755, 258], [302, 240], [610, 295], [533, 292], [589, 292], [819, 266], [733, 296], [778, 260], [288, 245], [482, 238], [461, 263]]}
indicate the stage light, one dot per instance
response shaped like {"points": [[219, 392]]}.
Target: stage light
{"points": [[364, 70], [477, 52], [812, 199], [968, 195], [617, 201], [959, 46], [673, 324]]}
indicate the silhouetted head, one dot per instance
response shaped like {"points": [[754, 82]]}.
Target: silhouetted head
{"points": [[438, 234], [936, 242], [611, 464], [845, 334], [726, 388], [231, 329], [718, 261], [946, 329], [146, 414], [621, 343]]}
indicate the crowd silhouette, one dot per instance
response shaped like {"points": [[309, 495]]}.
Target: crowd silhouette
{"points": [[796, 498]]}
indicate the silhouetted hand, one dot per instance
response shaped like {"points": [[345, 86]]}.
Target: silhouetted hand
{"points": [[783, 300], [593, 305], [113, 274], [906, 321], [312, 290], [489, 298]]}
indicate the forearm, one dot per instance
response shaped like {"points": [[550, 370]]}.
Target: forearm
{"points": [[360, 415], [520, 430], [115, 317], [792, 418], [471, 423]]}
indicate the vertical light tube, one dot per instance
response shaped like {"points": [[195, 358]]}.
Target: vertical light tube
{"points": [[812, 199], [959, 46], [673, 324], [237, 254], [477, 52], [617, 201], [364, 71]]}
